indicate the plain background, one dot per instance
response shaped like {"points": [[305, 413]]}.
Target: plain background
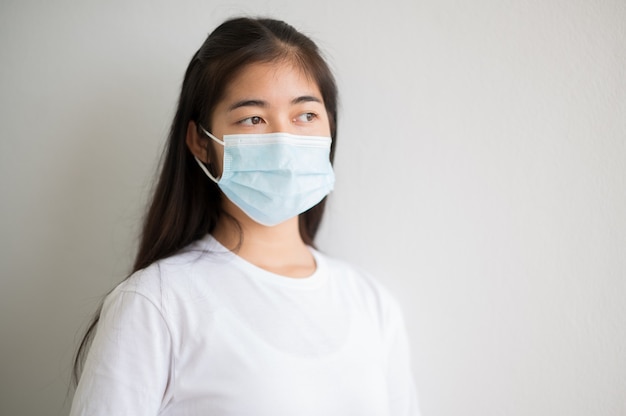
{"points": [[481, 173]]}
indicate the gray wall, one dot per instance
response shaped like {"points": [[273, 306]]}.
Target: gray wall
{"points": [[481, 176]]}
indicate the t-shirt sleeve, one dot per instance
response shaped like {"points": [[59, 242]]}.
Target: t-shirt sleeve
{"points": [[127, 370], [401, 387]]}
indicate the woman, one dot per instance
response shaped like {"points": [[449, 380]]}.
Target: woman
{"points": [[229, 310]]}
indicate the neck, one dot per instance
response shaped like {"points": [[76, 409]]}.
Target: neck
{"points": [[278, 249]]}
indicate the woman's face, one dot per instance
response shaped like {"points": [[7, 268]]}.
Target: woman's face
{"points": [[262, 98], [269, 98]]}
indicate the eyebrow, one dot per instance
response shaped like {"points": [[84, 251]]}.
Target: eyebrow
{"points": [[306, 99], [247, 103], [263, 104]]}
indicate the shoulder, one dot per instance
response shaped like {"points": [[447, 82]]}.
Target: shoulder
{"points": [[355, 276], [367, 290], [173, 277]]}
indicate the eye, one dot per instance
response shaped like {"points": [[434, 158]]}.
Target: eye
{"points": [[306, 117], [251, 121]]}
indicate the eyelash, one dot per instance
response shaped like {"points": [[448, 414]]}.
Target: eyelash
{"points": [[250, 121], [313, 116], [245, 121]]}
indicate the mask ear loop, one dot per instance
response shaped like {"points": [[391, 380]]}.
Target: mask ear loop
{"points": [[204, 168], [210, 135]]}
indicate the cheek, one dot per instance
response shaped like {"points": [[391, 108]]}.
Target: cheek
{"points": [[213, 153], [215, 150], [216, 155], [329, 125]]}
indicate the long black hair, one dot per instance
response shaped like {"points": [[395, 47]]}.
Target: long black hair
{"points": [[185, 206]]}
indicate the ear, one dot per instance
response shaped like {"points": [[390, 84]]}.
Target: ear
{"points": [[195, 143]]}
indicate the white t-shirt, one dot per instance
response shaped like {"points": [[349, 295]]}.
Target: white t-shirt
{"points": [[205, 332]]}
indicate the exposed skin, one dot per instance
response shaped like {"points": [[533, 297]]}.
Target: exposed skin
{"points": [[272, 97]]}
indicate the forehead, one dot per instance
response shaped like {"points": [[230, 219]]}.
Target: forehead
{"points": [[271, 81]]}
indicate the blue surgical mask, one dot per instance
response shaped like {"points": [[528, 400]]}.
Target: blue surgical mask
{"points": [[276, 176]]}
